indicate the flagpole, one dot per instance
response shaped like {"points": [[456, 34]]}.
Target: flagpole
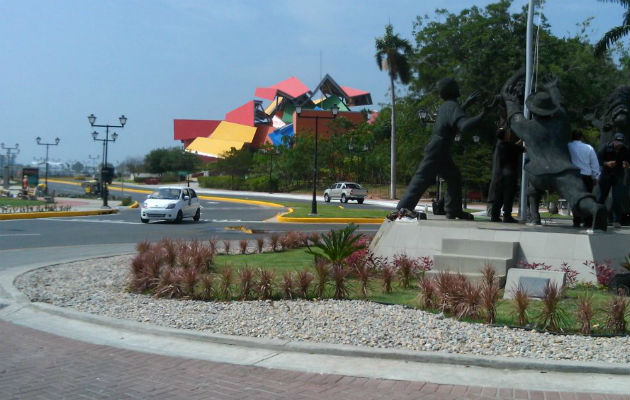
{"points": [[528, 88]]}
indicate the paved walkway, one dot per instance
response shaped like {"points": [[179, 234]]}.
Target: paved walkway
{"points": [[37, 365]]}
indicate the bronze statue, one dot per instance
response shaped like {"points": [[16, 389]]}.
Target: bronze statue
{"points": [[450, 120], [547, 136]]}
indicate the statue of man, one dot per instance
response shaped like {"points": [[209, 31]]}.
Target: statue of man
{"points": [[547, 136], [451, 120]]}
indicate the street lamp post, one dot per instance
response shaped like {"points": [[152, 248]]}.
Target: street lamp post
{"points": [[92, 119], [39, 142], [7, 168], [334, 110], [271, 152]]}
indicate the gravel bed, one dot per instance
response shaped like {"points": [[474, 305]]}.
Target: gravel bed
{"points": [[98, 287]]}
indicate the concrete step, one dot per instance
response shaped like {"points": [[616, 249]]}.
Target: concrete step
{"points": [[479, 248], [471, 265]]}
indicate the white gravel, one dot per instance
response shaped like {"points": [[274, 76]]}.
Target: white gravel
{"points": [[98, 287]]}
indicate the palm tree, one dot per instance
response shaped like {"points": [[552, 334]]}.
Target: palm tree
{"points": [[617, 32], [392, 54]]}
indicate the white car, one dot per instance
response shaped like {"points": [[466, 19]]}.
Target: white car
{"points": [[171, 203], [345, 191]]}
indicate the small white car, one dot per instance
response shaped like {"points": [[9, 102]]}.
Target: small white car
{"points": [[171, 203], [345, 191]]}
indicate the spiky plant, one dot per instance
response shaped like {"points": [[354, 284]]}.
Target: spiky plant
{"points": [[364, 273], [444, 290], [266, 283], [206, 287], [189, 277], [337, 245], [226, 277], [242, 244], [405, 268], [226, 246], [387, 277], [616, 311], [426, 298], [585, 312], [274, 240], [322, 271], [489, 293], [170, 252], [288, 285], [260, 244], [339, 275], [143, 246], [468, 303], [304, 280], [552, 316], [520, 302], [246, 278], [212, 242], [169, 285]]}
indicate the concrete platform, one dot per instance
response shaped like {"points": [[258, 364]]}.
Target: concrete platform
{"points": [[552, 244]]}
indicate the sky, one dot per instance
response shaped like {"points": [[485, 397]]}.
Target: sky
{"points": [[159, 60]]}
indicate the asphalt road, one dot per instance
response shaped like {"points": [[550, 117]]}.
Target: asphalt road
{"points": [[218, 219]]}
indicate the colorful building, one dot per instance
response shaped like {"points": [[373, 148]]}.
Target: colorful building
{"points": [[256, 125]]}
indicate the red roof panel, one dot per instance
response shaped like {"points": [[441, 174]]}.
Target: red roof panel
{"points": [[243, 115], [185, 129], [291, 88]]}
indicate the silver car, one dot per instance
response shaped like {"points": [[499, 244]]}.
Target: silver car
{"points": [[172, 204], [345, 191]]}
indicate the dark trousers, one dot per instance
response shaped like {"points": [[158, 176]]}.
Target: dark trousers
{"points": [[425, 176], [502, 196], [606, 183], [578, 218]]}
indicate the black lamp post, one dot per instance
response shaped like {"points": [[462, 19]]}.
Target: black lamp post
{"points": [[334, 110], [7, 167], [39, 142], [92, 119], [271, 152]]}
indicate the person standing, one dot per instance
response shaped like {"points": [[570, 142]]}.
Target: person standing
{"points": [[584, 157], [505, 166], [614, 157], [451, 119]]}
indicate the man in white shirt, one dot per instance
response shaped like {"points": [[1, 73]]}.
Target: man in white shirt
{"points": [[584, 157]]}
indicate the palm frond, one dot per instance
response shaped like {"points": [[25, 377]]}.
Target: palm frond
{"points": [[611, 37]]}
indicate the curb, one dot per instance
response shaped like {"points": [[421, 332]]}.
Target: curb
{"points": [[282, 345], [134, 205], [56, 214]]}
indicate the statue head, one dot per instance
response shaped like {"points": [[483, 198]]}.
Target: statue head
{"points": [[618, 140], [448, 89], [542, 104]]}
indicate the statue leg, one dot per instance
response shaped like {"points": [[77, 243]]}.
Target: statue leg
{"points": [[453, 199], [533, 199], [509, 192], [571, 187], [420, 182]]}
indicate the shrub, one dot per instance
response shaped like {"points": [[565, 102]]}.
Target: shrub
{"points": [[143, 246], [225, 283], [603, 271], [446, 290], [585, 312], [274, 241], [337, 245], [265, 283], [426, 298], [226, 246], [169, 286], [189, 279], [363, 272], [246, 277], [552, 316], [201, 258], [322, 270], [291, 240], [339, 275], [405, 267], [520, 302], [206, 288], [212, 242], [260, 243], [468, 301], [425, 264], [570, 274], [242, 244], [616, 314], [489, 293], [288, 285], [170, 252], [387, 276], [304, 280]]}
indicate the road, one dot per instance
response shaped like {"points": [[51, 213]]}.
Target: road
{"points": [[217, 218]]}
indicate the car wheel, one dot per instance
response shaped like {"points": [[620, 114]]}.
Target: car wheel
{"points": [[344, 199], [326, 198], [197, 215], [360, 201], [144, 220], [179, 218]]}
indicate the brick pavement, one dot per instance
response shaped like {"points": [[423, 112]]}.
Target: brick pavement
{"points": [[37, 365]]}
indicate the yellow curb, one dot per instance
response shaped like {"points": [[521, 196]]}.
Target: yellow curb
{"points": [[55, 214], [239, 228], [134, 205]]}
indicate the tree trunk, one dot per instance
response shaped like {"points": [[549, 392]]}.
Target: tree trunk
{"points": [[392, 178]]}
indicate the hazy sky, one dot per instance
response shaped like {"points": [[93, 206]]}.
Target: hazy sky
{"points": [[158, 60]]}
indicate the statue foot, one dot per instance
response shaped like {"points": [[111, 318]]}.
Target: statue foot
{"points": [[404, 213], [510, 219], [460, 215]]}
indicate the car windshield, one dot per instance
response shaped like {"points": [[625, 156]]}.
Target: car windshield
{"points": [[165, 194], [353, 186]]}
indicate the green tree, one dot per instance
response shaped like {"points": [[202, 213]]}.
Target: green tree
{"points": [[235, 163], [616, 33], [78, 167], [392, 54], [173, 159]]}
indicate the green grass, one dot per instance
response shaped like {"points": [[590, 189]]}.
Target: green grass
{"points": [[13, 202], [334, 210], [298, 259]]}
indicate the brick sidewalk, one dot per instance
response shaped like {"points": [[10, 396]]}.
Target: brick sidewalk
{"points": [[37, 365]]}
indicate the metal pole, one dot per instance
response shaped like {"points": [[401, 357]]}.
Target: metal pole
{"points": [[528, 89], [314, 202], [46, 175], [103, 183]]}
